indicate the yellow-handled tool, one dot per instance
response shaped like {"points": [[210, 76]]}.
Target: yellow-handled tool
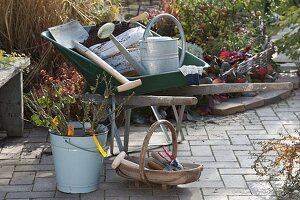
{"points": [[98, 145]]}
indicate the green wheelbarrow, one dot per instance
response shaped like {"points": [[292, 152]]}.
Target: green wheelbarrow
{"points": [[150, 83]]}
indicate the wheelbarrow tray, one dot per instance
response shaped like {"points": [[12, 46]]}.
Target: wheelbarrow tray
{"points": [[150, 83]]}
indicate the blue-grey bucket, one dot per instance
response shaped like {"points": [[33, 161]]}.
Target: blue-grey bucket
{"points": [[77, 161]]}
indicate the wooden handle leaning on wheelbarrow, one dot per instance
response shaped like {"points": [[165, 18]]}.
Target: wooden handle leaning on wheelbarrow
{"points": [[126, 84]]}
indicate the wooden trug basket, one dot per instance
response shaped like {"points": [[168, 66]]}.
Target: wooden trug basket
{"points": [[135, 170]]}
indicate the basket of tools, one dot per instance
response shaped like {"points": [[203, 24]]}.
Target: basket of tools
{"points": [[161, 168]]}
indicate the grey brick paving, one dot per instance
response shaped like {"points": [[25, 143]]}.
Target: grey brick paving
{"points": [[22, 178], [223, 145]]}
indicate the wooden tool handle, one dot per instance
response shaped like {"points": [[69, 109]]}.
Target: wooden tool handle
{"points": [[104, 65], [140, 17], [126, 84]]}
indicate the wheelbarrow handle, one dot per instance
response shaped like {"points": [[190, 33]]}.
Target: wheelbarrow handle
{"points": [[126, 84]]}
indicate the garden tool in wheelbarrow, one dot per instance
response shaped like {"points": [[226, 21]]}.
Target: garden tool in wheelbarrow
{"points": [[71, 34], [158, 54]]}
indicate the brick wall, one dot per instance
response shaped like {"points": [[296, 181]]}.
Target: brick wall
{"points": [[134, 7]]}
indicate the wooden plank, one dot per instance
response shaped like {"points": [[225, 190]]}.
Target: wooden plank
{"points": [[225, 88], [149, 100], [158, 100]]}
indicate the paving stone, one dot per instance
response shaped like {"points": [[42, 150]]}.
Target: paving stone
{"points": [[196, 137], [210, 142], [254, 177], [183, 146], [245, 161], [20, 178], [201, 151], [274, 128], [220, 164], [215, 198], [127, 192], [265, 137], [96, 195], [246, 132], [15, 188], [237, 171], [254, 127], [215, 135], [47, 159], [269, 118], [204, 184], [16, 195], [6, 171], [191, 194], [210, 175], [12, 148], [292, 126], [4, 156], [63, 195], [224, 128], [2, 195], [45, 174], [224, 155], [233, 147], [293, 103], [195, 159], [34, 168], [287, 109], [4, 181], [234, 181], [153, 198], [261, 188], [225, 191], [44, 184], [252, 197], [19, 162], [265, 112], [228, 108], [239, 139], [287, 116], [184, 153], [196, 131]]}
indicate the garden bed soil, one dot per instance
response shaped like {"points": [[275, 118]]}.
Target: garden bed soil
{"points": [[94, 39]]}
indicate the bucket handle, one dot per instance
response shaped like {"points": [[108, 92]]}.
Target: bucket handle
{"points": [[67, 140], [177, 23]]}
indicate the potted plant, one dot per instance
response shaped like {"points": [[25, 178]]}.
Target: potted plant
{"points": [[76, 134]]}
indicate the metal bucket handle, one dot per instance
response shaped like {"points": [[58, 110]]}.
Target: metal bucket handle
{"points": [[68, 141], [177, 23]]}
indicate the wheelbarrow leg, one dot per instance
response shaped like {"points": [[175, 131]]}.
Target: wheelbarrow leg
{"points": [[179, 120], [127, 129], [163, 128], [114, 130]]}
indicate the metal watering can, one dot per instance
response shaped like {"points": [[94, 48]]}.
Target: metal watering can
{"points": [[160, 54]]}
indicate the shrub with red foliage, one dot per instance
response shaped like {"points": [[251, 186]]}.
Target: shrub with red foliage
{"points": [[71, 80]]}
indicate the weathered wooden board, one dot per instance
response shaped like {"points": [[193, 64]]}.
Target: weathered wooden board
{"points": [[225, 88]]}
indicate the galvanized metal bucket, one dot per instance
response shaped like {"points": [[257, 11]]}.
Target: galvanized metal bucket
{"points": [[77, 161], [160, 54]]}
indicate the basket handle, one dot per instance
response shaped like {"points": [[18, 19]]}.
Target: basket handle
{"points": [[152, 128]]}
